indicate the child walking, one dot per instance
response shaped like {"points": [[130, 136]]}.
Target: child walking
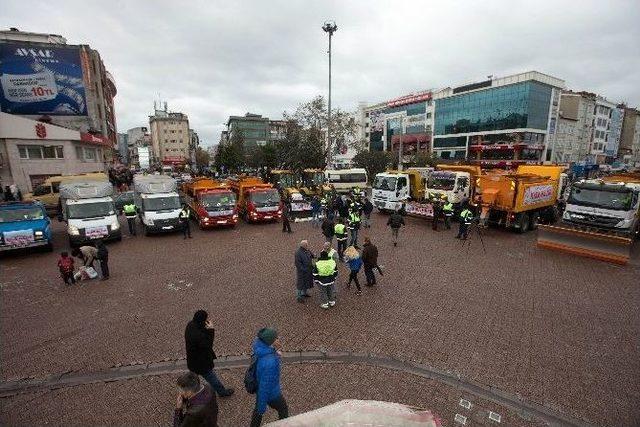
{"points": [[65, 264]]}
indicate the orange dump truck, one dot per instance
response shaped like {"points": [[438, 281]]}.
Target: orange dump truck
{"points": [[213, 203], [519, 200], [257, 200]]}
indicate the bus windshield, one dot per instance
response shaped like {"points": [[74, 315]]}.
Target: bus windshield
{"points": [[385, 183]]}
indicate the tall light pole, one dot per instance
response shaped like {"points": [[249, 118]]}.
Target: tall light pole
{"points": [[329, 27]]}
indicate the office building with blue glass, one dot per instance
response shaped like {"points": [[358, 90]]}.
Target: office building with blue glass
{"points": [[498, 122]]}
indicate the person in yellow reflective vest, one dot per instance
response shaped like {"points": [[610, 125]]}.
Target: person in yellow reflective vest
{"points": [[447, 208], [130, 213], [466, 216], [354, 227], [340, 231], [325, 272], [184, 216]]}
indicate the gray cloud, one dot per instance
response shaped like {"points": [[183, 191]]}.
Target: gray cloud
{"points": [[213, 59]]}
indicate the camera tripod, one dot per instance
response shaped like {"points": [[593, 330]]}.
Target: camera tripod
{"points": [[474, 227]]}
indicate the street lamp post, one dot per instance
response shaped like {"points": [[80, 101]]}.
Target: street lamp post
{"points": [[400, 150], [329, 27]]}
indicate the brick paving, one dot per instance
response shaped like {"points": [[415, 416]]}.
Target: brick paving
{"points": [[555, 329]]}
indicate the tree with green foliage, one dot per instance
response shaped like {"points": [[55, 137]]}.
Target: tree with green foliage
{"points": [[202, 158], [230, 155], [374, 162], [425, 159]]}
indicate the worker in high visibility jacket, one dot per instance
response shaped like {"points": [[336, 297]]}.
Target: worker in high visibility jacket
{"points": [[325, 272], [340, 231], [183, 217], [447, 209], [354, 227], [130, 213], [466, 216]]}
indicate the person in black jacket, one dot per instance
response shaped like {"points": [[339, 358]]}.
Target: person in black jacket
{"points": [[198, 337], [395, 221], [328, 228], [367, 208], [196, 404], [103, 257]]}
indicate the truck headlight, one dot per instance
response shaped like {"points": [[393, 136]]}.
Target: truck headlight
{"points": [[73, 230], [115, 225]]}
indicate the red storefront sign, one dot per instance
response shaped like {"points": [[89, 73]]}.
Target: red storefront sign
{"points": [[41, 130], [174, 160], [410, 99], [95, 139]]}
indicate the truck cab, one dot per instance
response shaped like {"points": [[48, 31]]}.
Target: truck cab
{"points": [[24, 225], [89, 211], [608, 205], [257, 200], [392, 189], [212, 203], [157, 202], [456, 182]]}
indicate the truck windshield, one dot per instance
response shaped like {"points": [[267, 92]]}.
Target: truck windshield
{"points": [[385, 183], [90, 210], [217, 200], [27, 214], [441, 181], [265, 198], [287, 181], [161, 203], [617, 200]]}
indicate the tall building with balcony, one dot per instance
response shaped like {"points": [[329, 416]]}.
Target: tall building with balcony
{"points": [[575, 127], [499, 122], [170, 138], [53, 82], [629, 150]]}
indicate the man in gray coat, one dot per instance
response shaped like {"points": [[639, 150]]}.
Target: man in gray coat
{"points": [[304, 270]]}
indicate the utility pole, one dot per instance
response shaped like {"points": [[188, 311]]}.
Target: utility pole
{"points": [[400, 151], [329, 27]]}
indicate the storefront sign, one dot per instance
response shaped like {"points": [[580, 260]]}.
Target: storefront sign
{"points": [[410, 99], [537, 194]]}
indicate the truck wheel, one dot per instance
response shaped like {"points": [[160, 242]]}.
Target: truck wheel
{"points": [[533, 221], [523, 223]]}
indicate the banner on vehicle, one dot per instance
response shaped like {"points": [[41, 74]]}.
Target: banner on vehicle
{"points": [[538, 194], [40, 79]]}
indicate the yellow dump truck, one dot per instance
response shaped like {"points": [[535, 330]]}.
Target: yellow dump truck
{"points": [[520, 200]]}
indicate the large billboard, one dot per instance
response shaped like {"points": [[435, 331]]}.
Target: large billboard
{"points": [[38, 79]]}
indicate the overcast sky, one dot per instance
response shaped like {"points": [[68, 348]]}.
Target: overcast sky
{"points": [[212, 59]]}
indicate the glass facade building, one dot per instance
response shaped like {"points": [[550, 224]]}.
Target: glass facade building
{"points": [[520, 105]]}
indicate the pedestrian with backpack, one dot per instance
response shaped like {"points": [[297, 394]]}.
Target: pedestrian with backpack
{"points": [[266, 365]]}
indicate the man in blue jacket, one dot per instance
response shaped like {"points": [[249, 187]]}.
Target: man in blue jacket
{"points": [[266, 348]]}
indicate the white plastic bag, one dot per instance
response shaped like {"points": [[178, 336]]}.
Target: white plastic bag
{"points": [[91, 272]]}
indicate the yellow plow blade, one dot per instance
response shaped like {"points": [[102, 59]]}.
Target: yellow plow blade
{"points": [[588, 244]]}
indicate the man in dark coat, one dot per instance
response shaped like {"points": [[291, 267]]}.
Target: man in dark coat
{"points": [[196, 404], [328, 228], [370, 260], [198, 337], [304, 270]]}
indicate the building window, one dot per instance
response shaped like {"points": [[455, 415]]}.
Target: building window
{"points": [[79, 154], [32, 152], [89, 154]]}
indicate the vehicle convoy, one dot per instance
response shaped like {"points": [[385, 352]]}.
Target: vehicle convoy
{"points": [[288, 186], [49, 191], [88, 209], [313, 183], [24, 225], [345, 180], [393, 189], [157, 202], [212, 202], [257, 200], [520, 200], [601, 219]]}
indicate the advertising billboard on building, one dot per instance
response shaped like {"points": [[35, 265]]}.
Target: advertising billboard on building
{"points": [[38, 79]]}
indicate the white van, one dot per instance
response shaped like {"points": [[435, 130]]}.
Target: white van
{"points": [[344, 180]]}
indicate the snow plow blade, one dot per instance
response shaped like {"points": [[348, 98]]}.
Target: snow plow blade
{"points": [[588, 244]]}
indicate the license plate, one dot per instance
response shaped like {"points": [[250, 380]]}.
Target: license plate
{"points": [[221, 222], [96, 232], [169, 227]]}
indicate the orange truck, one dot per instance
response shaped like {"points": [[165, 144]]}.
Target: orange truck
{"points": [[257, 200], [212, 203], [519, 200]]}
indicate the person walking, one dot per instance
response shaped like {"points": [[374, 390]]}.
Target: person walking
{"points": [[370, 261], [328, 227], [316, 210], [198, 338], [437, 212], [103, 257], [267, 351], [184, 217], [286, 217], [367, 209], [340, 231], [65, 265], [354, 226], [466, 216], [354, 262], [447, 209], [130, 212], [304, 270], [325, 272], [395, 221], [196, 404]]}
